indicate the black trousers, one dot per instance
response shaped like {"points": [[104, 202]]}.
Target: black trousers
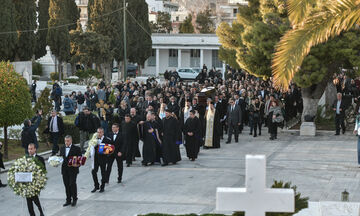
{"points": [[102, 164], [119, 162], [273, 129], [30, 206], [339, 121], [69, 180], [233, 129], [54, 138]]}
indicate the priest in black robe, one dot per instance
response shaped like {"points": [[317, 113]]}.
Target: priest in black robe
{"points": [[171, 131], [129, 133], [192, 133], [151, 141]]}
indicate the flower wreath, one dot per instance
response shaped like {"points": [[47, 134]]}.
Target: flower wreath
{"points": [[27, 189]]}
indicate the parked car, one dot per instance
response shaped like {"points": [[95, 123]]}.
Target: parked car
{"points": [[187, 73], [132, 70]]}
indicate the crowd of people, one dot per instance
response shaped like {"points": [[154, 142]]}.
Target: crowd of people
{"points": [[163, 116]]}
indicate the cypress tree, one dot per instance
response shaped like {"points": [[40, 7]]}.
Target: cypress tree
{"points": [[25, 13], [43, 19], [7, 24], [58, 37], [187, 26], [72, 13]]}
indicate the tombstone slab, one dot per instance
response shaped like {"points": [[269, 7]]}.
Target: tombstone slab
{"points": [[331, 209], [307, 129]]}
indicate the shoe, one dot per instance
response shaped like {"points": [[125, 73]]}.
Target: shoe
{"points": [[119, 181], [192, 159], [95, 189], [259, 134], [250, 133], [271, 138], [343, 131], [74, 202], [164, 164], [237, 141], [52, 154], [255, 135], [101, 190], [2, 185], [228, 142], [127, 165], [67, 203]]}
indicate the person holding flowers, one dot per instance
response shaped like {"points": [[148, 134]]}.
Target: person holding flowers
{"points": [[70, 173], [41, 162]]}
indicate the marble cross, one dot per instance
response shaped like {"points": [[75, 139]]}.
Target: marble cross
{"points": [[255, 199]]}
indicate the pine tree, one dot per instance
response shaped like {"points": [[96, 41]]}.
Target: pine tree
{"points": [[58, 34], [7, 24], [25, 13], [43, 19], [204, 23], [187, 26], [163, 23]]}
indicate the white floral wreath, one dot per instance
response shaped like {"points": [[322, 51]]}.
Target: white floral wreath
{"points": [[27, 189]]}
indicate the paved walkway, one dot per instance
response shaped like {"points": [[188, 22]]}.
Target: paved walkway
{"points": [[321, 167]]}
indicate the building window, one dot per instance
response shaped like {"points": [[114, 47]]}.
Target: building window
{"points": [[152, 58], [194, 58], [173, 57], [177, 19], [235, 11], [215, 59]]}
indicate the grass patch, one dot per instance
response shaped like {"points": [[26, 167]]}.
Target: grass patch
{"points": [[16, 150]]}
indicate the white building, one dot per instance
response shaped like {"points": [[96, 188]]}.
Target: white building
{"points": [[227, 12], [172, 51], [82, 5], [162, 6]]}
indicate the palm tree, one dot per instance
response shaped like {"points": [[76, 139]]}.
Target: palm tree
{"points": [[313, 22]]}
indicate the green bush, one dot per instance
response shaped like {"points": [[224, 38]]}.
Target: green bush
{"points": [[54, 76], [37, 69], [71, 129], [72, 80]]}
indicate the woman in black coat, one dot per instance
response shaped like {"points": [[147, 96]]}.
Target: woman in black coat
{"points": [[1, 166]]}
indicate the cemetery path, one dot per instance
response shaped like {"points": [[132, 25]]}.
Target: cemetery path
{"points": [[322, 167]]}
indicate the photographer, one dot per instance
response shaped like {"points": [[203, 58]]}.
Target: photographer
{"points": [[1, 166]]}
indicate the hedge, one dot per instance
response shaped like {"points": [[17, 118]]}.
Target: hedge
{"points": [[71, 129]]}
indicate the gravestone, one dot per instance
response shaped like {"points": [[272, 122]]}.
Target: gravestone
{"points": [[307, 129], [331, 209], [255, 199]]}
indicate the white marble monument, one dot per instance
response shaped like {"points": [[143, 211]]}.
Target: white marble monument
{"points": [[331, 209], [255, 199], [308, 129]]}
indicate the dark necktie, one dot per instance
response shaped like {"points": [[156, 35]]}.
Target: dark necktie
{"points": [[51, 125]]}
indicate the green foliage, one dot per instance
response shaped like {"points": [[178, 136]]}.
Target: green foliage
{"points": [[228, 56], [71, 129], [72, 13], [15, 99], [37, 68], [139, 43], [204, 23], [25, 13], [7, 24], [45, 104], [72, 80], [58, 38], [187, 26], [43, 19], [163, 23], [89, 47], [54, 76], [112, 97]]}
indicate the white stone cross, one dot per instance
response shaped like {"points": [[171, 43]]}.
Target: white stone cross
{"points": [[255, 199]]}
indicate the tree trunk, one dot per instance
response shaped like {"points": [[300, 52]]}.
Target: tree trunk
{"points": [[107, 72], [6, 154], [311, 97]]}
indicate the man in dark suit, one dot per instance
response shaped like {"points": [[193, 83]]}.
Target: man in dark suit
{"points": [[100, 160], [233, 120], [35, 199], [55, 127], [116, 139], [69, 173], [339, 108]]}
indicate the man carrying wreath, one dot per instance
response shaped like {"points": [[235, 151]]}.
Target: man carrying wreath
{"points": [[100, 160], [69, 173], [35, 199]]}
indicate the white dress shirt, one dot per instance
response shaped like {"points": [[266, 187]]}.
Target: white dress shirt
{"points": [[67, 150], [53, 125]]}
